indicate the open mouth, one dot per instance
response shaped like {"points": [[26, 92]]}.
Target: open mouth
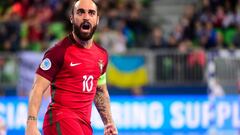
{"points": [[85, 26]]}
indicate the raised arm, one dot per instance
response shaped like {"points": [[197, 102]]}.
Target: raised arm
{"points": [[40, 85], [102, 103]]}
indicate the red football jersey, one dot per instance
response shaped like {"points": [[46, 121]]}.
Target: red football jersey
{"points": [[73, 72]]}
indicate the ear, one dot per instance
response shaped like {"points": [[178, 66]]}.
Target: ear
{"points": [[71, 18], [97, 20]]}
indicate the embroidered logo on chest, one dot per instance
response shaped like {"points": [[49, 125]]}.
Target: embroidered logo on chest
{"points": [[74, 64]]}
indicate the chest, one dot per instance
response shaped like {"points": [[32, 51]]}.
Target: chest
{"points": [[83, 62]]}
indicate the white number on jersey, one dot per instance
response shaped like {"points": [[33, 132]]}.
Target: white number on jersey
{"points": [[87, 83]]}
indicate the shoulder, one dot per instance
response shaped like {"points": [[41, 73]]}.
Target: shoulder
{"points": [[59, 47], [100, 48]]}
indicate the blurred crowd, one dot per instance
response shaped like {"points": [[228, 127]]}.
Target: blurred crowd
{"points": [[37, 24], [31, 24], [213, 24]]}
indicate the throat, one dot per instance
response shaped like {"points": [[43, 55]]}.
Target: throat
{"points": [[85, 44]]}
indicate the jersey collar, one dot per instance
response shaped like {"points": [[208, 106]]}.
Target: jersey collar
{"points": [[73, 41]]}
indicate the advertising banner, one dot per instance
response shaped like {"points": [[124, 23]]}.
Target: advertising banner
{"points": [[147, 114]]}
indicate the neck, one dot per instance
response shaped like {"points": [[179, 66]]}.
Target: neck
{"points": [[85, 44]]}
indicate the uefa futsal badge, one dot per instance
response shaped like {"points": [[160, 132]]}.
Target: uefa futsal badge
{"points": [[100, 64], [46, 64]]}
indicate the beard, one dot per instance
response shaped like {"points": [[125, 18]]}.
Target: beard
{"points": [[83, 35]]}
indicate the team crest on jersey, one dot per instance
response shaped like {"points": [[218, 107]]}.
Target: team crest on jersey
{"points": [[46, 64], [100, 64]]}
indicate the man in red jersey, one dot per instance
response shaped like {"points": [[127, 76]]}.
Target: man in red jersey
{"points": [[75, 68]]}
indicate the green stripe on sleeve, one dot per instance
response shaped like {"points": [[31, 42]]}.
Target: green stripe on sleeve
{"points": [[52, 95], [50, 117], [58, 129], [53, 91]]}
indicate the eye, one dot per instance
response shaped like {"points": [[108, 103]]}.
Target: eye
{"points": [[92, 12], [80, 11]]}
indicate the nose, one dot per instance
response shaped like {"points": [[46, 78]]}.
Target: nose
{"points": [[86, 16]]}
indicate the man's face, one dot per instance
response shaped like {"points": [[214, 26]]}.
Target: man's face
{"points": [[84, 19]]}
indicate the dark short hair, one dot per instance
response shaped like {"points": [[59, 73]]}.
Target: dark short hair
{"points": [[72, 8]]}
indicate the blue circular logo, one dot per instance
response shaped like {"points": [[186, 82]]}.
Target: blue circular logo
{"points": [[46, 64]]}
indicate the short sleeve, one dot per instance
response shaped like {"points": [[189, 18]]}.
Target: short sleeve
{"points": [[103, 79], [106, 64], [51, 63]]}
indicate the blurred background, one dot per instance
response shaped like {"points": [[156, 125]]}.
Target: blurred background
{"points": [[174, 64]]}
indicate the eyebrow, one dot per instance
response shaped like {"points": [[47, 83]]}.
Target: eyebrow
{"points": [[83, 10], [91, 10]]}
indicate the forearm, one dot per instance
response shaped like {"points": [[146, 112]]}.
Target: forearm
{"points": [[35, 100], [102, 103]]}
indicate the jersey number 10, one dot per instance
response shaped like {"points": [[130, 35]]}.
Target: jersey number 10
{"points": [[87, 83]]}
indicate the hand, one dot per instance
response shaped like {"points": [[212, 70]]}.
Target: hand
{"points": [[110, 129], [32, 130]]}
